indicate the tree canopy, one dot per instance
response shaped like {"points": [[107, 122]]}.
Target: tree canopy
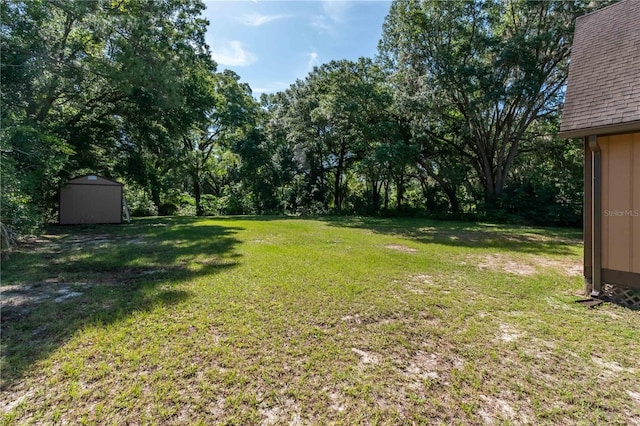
{"points": [[457, 114]]}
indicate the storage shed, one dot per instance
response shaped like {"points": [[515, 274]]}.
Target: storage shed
{"points": [[90, 199], [602, 106]]}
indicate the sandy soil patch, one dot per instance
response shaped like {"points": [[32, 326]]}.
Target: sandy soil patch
{"points": [[526, 265], [356, 319], [336, 402], [23, 297], [495, 410], [419, 284], [288, 412], [400, 247], [611, 368], [508, 333], [425, 366], [365, 357], [8, 403]]}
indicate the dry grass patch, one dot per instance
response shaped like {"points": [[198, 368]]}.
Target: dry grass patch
{"points": [[526, 265], [400, 247]]}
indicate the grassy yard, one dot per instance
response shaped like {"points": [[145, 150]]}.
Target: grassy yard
{"points": [[290, 321]]}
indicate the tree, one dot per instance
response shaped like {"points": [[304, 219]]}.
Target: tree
{"points": [[481, 73], [90, 86], [233, 113], [331, 119]]}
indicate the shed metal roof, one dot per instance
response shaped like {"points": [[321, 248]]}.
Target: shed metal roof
{"points": [[603, 89], [93, 180]]}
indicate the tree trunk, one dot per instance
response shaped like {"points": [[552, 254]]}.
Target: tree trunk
{"points": [[155, 194], [196, 192], [337, 199], [453, 199], [448, 189], [336, 190], [375, 195], [399, 190], [386, 194]]}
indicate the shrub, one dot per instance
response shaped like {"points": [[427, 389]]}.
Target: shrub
{"points": [[140, 204], [167, 209]]}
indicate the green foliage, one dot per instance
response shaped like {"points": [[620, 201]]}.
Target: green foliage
{"points": [[18, 212], [32, 162], [546, 184], [209, 142], [457, 115], [236, 201], [93, 86], [477, 76], [139, 202]]}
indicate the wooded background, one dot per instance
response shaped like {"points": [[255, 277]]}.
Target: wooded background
{"points": [[457, 115]]}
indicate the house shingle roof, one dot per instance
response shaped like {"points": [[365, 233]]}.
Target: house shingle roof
{"points": [[603, 89]]}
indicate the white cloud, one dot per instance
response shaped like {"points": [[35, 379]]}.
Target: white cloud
{"points": [[256, 20], [313, 61], [271, 87], [334, 13], [233, 54], [321, 22]]}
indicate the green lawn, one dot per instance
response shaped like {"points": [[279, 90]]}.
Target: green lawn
{"points": [[291, 321]]}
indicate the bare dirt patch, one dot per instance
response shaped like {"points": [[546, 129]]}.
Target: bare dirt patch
{"points": [[425, 365], [611, 368], [526, 265], [9, 402], [366, 357], [508, 333], [336, 403], [422, 279], [500, 262], [24, 297], [419, 284], [400, 247], [356, 319], [495, 408], [287, 412]]}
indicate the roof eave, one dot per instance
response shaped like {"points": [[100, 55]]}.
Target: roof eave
{"points": [[610, 129]]}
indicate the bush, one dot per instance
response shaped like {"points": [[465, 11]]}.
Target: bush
{"points": [[140, 204], [235, 202], [167, 209], [18, 213], [211, 205]]}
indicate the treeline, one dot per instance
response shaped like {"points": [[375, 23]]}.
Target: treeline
{"points": [[457, 115]]}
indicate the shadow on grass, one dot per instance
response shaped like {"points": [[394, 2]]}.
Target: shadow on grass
{"points": [[73, 277], [553, 241]]}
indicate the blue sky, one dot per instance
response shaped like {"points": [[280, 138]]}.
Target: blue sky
{"points": [[270, 44]]}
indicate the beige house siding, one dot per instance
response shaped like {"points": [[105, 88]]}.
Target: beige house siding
{"points": [[621, 202]]}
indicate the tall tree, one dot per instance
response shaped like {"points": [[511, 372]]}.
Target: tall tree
{"points": [[482, 72], [231, 116], [85, 81]]}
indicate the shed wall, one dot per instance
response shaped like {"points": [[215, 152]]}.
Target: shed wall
{"points": [[80, 204], [621, 202]]}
